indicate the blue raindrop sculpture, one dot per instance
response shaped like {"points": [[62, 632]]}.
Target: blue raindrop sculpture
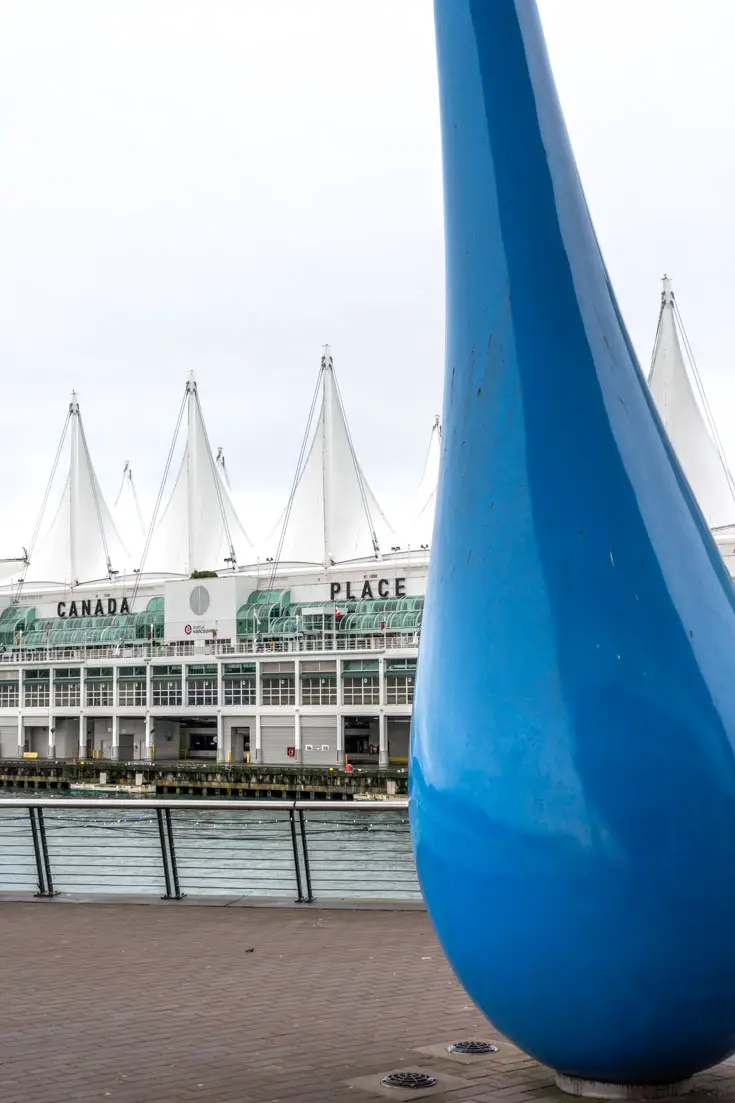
{"points": [[572, 771]]}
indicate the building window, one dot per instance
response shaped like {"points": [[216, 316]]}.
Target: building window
{"points": [[131, 687], [99, 694], [131, 693], [201, 691], [399, 689], [279, 691], [167, 692], [239, 691], [318, 691], [8, 695], [363, 689], [66, 694], [36, 695]]}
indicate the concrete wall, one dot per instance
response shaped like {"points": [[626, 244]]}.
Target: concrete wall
{"points": [[233, 744], [166, 739], [102, 736], [132, 739], [37, 740], [66, 736]]}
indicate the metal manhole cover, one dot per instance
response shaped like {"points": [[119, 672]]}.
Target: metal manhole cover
{"points": [[472, 1047], [415, 1080]]}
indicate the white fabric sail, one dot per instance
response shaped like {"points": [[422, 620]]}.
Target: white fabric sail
{"points": [[675, 387], [333, 515], [128, 515], [199, 528], [82, 543], [422, 525]]}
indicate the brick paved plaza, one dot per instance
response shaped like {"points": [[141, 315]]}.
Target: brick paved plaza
{"points": [[136, 1004]]}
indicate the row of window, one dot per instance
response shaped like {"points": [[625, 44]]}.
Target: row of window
{"points": [[356, 690]]}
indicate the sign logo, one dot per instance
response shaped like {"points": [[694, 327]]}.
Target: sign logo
{"points": [[199, 600], [187, 629], [380, 588], [98, 608]]}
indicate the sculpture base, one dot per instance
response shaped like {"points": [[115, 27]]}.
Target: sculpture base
{"points": [[598, 1089]]}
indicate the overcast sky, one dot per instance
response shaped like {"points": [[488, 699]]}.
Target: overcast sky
{"points": [[224, 185]]}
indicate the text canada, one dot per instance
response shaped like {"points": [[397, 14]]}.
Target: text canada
{"points": [[369, 589], [98, 608]]}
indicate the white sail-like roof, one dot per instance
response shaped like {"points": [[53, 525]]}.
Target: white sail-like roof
{"points": [[199, 528], [82, 543], [332, 516], [422, 523], [683, 407], [128, 515]]}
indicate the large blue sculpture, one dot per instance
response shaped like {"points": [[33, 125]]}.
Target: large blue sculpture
{"points": [[573, 773]]}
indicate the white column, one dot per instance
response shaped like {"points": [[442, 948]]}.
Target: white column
{"points": [[258, 754], [340, 715], [148, 750], [51, 724], [183, 684], [297, 735], [82, 717], [21, 734], [148, 747], [221, 749], [297, 683], [115, 750], [383, 733], [381, 679]]}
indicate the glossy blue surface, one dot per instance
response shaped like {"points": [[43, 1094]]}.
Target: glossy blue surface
{"points": [[573, 776]]}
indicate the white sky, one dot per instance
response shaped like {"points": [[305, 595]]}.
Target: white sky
{"points": [[226, 185]]}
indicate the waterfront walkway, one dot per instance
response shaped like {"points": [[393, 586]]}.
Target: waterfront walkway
{"points": [[154, 1003]]}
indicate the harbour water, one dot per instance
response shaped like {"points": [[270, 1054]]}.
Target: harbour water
{"points": [[351, 855]]}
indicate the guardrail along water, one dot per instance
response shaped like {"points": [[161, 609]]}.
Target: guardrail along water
{"points": [[292, 850]]}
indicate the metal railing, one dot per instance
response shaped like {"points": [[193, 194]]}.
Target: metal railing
{"points": [[298, 850], [246, 646]]}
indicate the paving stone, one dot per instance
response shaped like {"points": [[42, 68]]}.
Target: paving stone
{"points": [[131, 1004]]}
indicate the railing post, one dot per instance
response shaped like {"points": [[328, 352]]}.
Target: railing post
{"points": [[301, 899], [44, 850], [178, 894], [37, 853], [164, 856], [305, 851]]}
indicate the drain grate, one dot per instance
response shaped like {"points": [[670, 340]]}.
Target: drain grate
{"points": [[472, 1047], [415, 1080]]}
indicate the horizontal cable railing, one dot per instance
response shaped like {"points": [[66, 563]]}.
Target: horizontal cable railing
{"points": [[297, 850], [156, 649]]}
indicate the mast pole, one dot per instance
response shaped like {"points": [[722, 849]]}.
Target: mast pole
{"points": [[327, 404]]}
